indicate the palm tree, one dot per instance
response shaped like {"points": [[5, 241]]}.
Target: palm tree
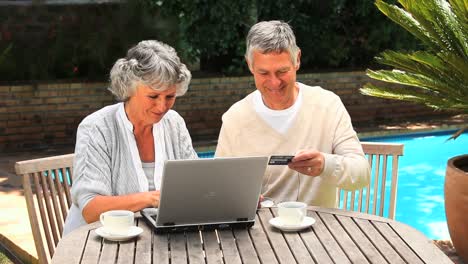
{"points": [[436, 76]]}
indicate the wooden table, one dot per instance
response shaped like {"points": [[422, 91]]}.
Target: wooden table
{"points": [[336, 237]]}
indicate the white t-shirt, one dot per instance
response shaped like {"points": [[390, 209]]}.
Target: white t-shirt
{"points": [[160, 151], [280, 120], [148, 168]]}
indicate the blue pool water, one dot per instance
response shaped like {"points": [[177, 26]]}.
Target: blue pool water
{"points": [[421, 174]]}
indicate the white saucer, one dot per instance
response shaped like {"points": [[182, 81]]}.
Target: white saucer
{"points": [[276, 222], [267, 204], [132, 232]]}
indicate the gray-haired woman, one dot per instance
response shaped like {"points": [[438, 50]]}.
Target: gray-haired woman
{"points": [[120, 149]]}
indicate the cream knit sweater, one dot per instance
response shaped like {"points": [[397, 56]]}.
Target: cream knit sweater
{"points": [[322, 123]]}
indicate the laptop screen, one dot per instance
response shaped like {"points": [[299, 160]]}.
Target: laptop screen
{"points": [[210, 191]]}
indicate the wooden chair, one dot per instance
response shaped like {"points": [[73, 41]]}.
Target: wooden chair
{"points": [[47, 183], [375, 194]]}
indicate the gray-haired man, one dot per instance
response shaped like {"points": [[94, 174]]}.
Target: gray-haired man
{"points": [[286, 117]]}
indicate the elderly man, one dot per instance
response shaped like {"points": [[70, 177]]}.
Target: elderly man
{"points": [[285, 117]]}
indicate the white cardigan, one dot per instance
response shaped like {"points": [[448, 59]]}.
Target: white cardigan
{"points": [[106, 162]]}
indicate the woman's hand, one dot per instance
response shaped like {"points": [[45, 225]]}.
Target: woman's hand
{"points": [[153, 198], [133, 202]]}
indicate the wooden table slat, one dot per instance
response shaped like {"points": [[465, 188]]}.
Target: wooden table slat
{"points": [[348, 245], [301, 253], [178, 248], [405, 252], [108, 252], [276, 238], [328, 241], [77, 241], [126, 252], [160, 248], [229, 247], [246, 248], [260, 240], [313, 244], [92, 251], [195, 248], [378, 241], [213, 252], [294, 240], [143, 247], [361, 240]]}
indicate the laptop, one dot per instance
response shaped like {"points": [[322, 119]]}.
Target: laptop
{"points": [[208, 193]]}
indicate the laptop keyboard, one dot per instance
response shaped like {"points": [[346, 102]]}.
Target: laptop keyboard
{"points": [[150, 217]]}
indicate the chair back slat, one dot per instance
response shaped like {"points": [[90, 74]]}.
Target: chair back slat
{"points": [[352, 199], [383, 184], [340, 195], [47, 183], [68, 179], [33, 217], [55, 203], [376, 183], [394, 188], [60, 195], [379, 155], [42, 211], [48, 202], [370, 158], [345, 198], [360, 200]]}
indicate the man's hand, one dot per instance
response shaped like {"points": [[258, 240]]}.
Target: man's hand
{"points": [[260, 200], [308, 162]]}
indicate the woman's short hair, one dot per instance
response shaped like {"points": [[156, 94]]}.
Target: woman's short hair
{"points": [[151, 63], [271, 36]]}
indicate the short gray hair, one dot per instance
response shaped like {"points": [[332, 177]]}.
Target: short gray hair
{"points": [[151, 63], [271, 36]]}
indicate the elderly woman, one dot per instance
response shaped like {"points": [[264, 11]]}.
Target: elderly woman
{"points": [[120, 149]]}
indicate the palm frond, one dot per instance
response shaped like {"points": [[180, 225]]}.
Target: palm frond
{"points": [[420, 12], [440, 23], [404, 94], [423, 85], [427, 64], [450, 29], [459, 9], [436, 76], [459, 67], [457, 134], [406, 20]]}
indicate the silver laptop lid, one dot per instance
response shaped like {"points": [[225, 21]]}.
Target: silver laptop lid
{"points": [[210, 191]]}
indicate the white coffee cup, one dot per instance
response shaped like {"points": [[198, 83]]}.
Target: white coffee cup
{"points": [[117, 222], [292, 213]]}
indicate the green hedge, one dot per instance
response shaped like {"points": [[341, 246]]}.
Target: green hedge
{"points": [[70, 41], [333, 35]]}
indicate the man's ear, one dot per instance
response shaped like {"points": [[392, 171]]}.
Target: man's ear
{"points": [[249, 65], [298, 60]]}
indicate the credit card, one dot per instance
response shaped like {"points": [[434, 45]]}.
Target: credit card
{"points": [[280, 160]]}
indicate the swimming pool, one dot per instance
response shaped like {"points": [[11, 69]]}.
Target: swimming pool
{"points": [[421, 174]]}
